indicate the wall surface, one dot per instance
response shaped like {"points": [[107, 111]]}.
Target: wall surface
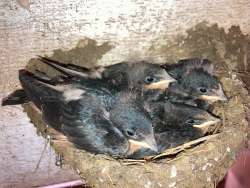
{"points": [[29, 28], [26, 159]]}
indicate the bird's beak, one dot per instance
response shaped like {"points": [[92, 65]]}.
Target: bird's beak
{"points": [[209, 122], [162, 84], [148, 142], [218, 96], [223, 97]]}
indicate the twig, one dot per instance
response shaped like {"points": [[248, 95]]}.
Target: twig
{"points": [[133, 160], [41, 156], [133, 163]]}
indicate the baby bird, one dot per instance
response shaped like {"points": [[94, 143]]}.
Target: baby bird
{"points": [[86, 117], [174, 116], [149, 78], [175, 124], [195, 81]]}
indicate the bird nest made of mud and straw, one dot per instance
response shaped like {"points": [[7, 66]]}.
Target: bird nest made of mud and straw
{"points": [[189, 158]]}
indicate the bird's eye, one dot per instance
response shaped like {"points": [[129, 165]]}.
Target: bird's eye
{"points": [[130, 133], [203, 90], [190, 122], [149, 79]]}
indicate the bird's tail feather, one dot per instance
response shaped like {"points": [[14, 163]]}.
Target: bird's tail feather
{"points": [[31, 84], [69, 70], [17, 97], [37, 88]]}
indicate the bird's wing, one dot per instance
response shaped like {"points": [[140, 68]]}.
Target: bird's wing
{"points": [[45, 96], [78, 113], [86, 122], [72, 70], [37, 89], [174, 138], [116, 74]]}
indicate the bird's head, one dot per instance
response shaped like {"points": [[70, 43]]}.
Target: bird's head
{"points": [[198, 118], [202, 85], [183, 116], [137, 74], [135, 124], [150, 76]]}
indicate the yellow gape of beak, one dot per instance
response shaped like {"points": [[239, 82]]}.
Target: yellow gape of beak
{"points": [[207, 123], [218, 96], [148, 142], [162, 84]]}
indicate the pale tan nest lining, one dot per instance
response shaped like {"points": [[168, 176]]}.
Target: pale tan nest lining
{"points": [[200, 166]]}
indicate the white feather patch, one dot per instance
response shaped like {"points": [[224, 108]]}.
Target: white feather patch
{"points": [[73, 94]]}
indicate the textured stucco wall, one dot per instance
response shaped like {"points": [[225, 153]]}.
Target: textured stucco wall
{"points": [[26, 159], [28, 27]]}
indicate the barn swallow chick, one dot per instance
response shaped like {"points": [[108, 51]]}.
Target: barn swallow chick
{"points": [[128, 111], [175, 124], [141, 73], [174, 116], [170, 138], [195, 81], [124, 75], [119, 132], [86, 117]]}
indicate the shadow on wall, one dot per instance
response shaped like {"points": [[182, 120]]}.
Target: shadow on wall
{"points": [[228, 50], [86, 53]]}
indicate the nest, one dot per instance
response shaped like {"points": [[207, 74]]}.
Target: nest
{"points": [[199, 163]]}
